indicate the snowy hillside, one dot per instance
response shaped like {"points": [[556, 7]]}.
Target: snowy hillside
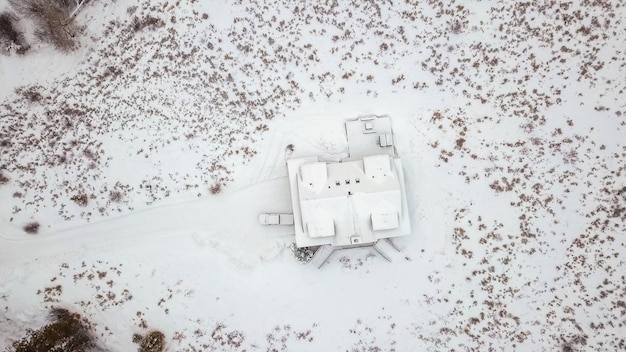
{"points": [[132, 171]]}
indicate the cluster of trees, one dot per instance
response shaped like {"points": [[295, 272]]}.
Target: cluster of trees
{"points": [[53, 23], [69, 332], [66, 332], [11, 38], [153, 341]]}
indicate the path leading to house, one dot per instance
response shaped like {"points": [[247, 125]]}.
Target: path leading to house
{"points": [[225, 221]]}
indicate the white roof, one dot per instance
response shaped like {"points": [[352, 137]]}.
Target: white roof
{"points": [[336, 201], [377, 167], [319, 222], [385, 220], [370, 135], [314, 175]]}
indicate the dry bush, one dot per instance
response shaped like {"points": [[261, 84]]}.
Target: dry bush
{"points": [[116, 196], [67, 332], [223, 337], [137, 338], [3, 179], [148, 21], [304, 254], [154, 341], [456, 27], [53, 20], [31, 94], [81, 199], [215, 189], [31, 228], [131, 10], [11, 38]]}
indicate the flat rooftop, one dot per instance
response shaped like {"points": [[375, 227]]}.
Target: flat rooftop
{"points": [[348, 203], [369, 135]]}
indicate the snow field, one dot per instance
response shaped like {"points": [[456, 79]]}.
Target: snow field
{"points": [[509, 119]]}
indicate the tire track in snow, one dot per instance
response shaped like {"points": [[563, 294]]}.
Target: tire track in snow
{"points": [[226, 221]]}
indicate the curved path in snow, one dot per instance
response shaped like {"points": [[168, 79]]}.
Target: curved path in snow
{"points": [[227, 222]]}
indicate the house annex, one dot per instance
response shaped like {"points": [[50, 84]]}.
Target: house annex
{"points": [[355, 201]]}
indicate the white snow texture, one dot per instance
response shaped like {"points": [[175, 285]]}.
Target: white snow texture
{"points": [[133, 170]]}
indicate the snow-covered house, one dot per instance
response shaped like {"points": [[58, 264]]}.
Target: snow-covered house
{"points": [[355, 201]]}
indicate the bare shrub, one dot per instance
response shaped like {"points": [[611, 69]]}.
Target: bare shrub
{"points": [[235, 338], [216, 188], [3, 179], [456, 27], [572, 343], [31, 94], [31, 228], [223, 337], [137, 338], [131, 10], [67, 332], [10, 37], [571, 157], [154, 341], [304, 254], [80, 199], [148, 21], [116, 196]]}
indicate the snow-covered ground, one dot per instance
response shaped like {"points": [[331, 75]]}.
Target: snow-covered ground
{"points": [[510, 118]]}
